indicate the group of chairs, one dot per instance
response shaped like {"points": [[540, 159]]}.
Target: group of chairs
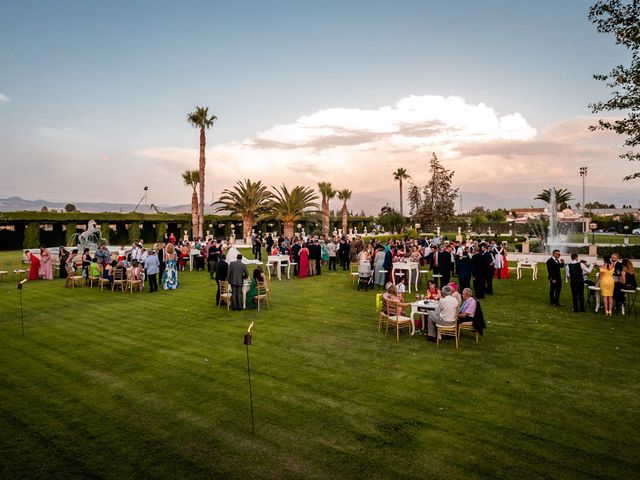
{"points": [[262, 295], [391, 314], [122, 280]]}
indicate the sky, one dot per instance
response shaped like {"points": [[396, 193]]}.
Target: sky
{"points": [[94, 98]]}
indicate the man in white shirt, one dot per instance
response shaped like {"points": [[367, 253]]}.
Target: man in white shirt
{"points": [[446, 313]]}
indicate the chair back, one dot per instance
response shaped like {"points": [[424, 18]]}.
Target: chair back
{"points": [[393, 307], [118, 275]]}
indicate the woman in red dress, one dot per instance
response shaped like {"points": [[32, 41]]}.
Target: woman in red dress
{"points": [[303, 271], [34, 269], [505, 264]]}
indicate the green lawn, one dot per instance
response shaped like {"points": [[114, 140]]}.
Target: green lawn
{"points": [[112, 385], [609, 238]]}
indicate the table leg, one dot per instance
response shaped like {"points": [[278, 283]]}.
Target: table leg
{"points": [[597, 301]]}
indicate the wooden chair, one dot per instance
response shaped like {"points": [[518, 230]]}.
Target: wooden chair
{"points": [[449, 330], [396, 319], [132, 282], [91, 279], [383, 318], [103, 281], [3, 273], [18, 270], [72, 278], [354, 270], [468, 325], [225, 294], [263, 294], [119, 280]]}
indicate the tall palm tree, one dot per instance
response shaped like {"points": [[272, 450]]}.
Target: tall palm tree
{"points": [[200, 119], [345, 196], [562, 196], [400, 175], [291, 206], [192, 178], [247, 199], [327, 192]]}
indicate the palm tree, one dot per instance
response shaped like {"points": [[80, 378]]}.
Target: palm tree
{"points": [[327, 192], [192, 178], [248, 200], [561, 195], [400, 175], [345, 196], [200, 119], [289, 206]]}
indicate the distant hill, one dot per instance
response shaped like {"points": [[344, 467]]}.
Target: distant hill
{"points": [[13, 204]]}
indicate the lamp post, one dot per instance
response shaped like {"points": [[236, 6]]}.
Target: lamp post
{"points": [[626, 234], [583, 174], [593, 227]]}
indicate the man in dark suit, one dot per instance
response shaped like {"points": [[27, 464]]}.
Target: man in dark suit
{"points": [[478, 270], [315, 256], [295, 254], [445, 264], [222, 269], [555, 265], [487, 254], [258, 247], [433, 259], [237, 274]]}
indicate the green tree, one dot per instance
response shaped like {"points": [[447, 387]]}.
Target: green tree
{"points": [[70, 207], [438, 195], [344, 195], [399, 175], [327, 192], [562, 196], [622, 19], [249, 200], [390, 220], [291, 206], [191, 178], [201, 119]]}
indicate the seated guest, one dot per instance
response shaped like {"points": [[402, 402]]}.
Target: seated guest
{"points": [[445, 314], [135, 270], [392, 295], [433, 292], [455, 294], [257, 277], [120, 267], [107, 272], [401, 288], [121, 253], [94, 268], [468, 308]]}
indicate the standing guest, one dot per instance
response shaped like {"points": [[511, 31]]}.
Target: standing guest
{"points": [[498, 260], [152, 267], [122, 254], [445, 314], [222, 270], [343, 253], [489, 259], [258, 247], [554, 266], [295, 255], [236, 276], [606, 284], [102, 255], [46, 264], [269, 243], [618, 296], [324, 252], [380, 276], [575, 273], [212, 258], [315, 255], [34, 268], [304, 261], [172, 239], [63, 255], [464, 269], [446, 264], [162, 255], [170, 276], [434, 261], [478, 271], [86, 261]]}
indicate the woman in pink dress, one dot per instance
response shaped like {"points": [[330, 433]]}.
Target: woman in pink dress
{"points": [[46, 267], [34, 269], [303, 271]]}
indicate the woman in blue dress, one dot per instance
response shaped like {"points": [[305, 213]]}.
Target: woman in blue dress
{"points": [[170, 276]]}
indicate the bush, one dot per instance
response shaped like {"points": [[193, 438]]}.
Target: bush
{"points": [[71, 231], [134, 231], [32, 235]]}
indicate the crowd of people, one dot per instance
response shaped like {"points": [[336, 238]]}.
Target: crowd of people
{"points": [[614, 276]]}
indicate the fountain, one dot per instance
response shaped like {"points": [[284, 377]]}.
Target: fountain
{"points": [[91, 238]]}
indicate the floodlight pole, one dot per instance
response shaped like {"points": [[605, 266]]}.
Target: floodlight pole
{"points": [[247, 342], [583, 174]]}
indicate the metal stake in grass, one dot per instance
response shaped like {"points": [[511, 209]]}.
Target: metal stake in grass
{"points": [[247, 342], [20, 284]]}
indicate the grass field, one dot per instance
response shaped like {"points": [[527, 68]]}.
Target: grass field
{"points": [[112, 385], [608, 238]]}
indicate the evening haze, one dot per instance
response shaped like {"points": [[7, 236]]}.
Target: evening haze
{"points": [[94, 98]]}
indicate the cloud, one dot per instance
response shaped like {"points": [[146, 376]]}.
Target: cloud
{"points": [[4, 98], [360, 148]]}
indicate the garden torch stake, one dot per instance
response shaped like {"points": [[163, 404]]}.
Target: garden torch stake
{"points": [[247, 342], [20, 284]]}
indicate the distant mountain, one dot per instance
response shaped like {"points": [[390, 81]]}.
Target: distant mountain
{"points": [[12, 204]]}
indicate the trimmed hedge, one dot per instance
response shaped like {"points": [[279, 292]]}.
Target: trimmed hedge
{"points": [[32, 235], [71, 231]]}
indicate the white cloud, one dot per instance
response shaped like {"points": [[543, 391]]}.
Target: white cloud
{"points": [[4, 98], [360, 148]]}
